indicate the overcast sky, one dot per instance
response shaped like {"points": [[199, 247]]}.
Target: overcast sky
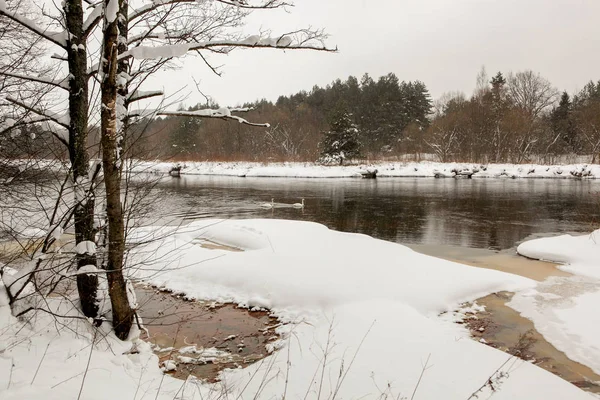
{"points": [[443, 43]]}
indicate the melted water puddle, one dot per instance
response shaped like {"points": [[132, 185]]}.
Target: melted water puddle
{"points": [[501, 327], [203, 338], [491, 321]]}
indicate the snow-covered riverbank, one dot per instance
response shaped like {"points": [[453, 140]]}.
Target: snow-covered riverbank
{"points": [[424, 169], [384, 170], [364, 319]]}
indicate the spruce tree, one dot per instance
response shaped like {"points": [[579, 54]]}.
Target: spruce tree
{"points": [[498, 90], [417, 102], [341, 142], [562, 122]]}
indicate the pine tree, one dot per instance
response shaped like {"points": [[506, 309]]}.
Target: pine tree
{"points": [[418, 103], [562, 122], [498, 89], [590, 92], [341, 141]]}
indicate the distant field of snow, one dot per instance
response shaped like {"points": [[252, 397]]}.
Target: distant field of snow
{"points": [[564, 309], [384, 170]]}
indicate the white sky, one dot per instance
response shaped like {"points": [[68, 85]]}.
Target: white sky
{"points": [[443, 43]]}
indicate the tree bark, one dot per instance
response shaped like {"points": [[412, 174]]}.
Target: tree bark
{"points": [[123, 68], [87, 284], [122, 313]]}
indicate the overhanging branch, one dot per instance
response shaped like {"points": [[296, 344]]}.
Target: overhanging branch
{"points": [[265, 5], [141, 95], [59, 84], [221, 113], [308, 40]]}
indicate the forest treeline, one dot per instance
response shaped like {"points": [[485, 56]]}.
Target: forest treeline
{"points": [[384, 108], [513, 117]]}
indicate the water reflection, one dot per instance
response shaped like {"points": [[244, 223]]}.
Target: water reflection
{"points": [[482, 213]]}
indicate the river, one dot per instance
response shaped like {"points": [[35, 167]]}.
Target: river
{"points": [[490, 214]]}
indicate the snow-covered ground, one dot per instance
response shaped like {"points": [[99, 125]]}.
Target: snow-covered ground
{"points": [[384, 169], [564, 309], [365, 323]]}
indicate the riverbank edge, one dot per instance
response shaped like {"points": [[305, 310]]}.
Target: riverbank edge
{"points": [[423, 169], [376, 169]]}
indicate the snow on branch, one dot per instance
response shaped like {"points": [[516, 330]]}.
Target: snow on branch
{"points": [[112, 9], [304, 39], [142, 113], [154, 4], [149, 34], [93, 18], [258, 5], [58, 38], [63, 83], [59, 57], [222, 113], [140, 95]]}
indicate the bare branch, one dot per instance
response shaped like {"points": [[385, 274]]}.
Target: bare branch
{"points": [[49, 115], [269, 4], [59, 84], [6, 127]]}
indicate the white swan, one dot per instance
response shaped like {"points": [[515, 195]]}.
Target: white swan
{"points": [[298, 205], [268, 205]]}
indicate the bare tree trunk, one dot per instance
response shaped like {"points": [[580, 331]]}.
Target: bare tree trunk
{"points": [[87, 284], [123, 68], [122, 312]]}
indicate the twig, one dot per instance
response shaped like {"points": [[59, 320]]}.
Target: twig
{"points": [[12, 365], [339, 385], [87, 366], [40, 364], [425, 368]]}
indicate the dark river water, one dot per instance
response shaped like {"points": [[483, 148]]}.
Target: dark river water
{"points": [[481, 213]]}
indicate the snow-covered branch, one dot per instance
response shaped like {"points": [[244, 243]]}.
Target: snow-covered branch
{"points": [[57, 38], [221, 113], [299, 40], [140, 95], [63, 83], [93, 19], [150, 35], [58, 57]]}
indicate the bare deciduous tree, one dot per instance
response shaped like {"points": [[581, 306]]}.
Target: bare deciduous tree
{"points": [[531, 92], [134, 44]]}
